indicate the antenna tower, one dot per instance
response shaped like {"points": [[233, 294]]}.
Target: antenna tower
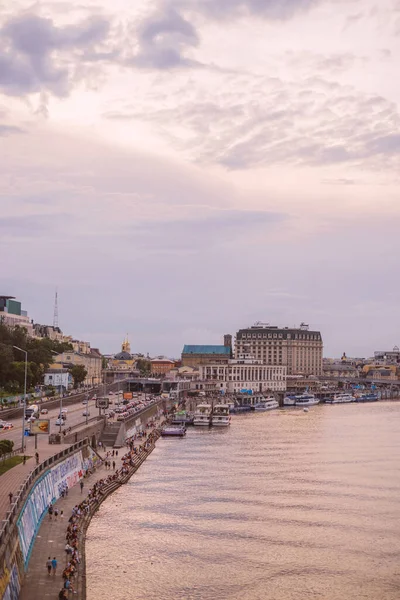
{"points": [[55, 317]]}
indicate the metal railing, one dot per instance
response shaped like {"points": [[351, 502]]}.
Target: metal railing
{"points": [[25, 487]]}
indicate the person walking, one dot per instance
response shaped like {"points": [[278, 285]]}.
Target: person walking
{"points": [[54, 565], [55, 514], [81, 485], [37, 457], [49, 565], [50, 509], [10, 495], [114, 465], [24, 460]]}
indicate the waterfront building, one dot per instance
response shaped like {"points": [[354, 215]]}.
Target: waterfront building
{"points": [[298, 349], [387, 357], [58, 378], [161, 365], [245, 373], [12, 315], [195, 355], [92, 361]]}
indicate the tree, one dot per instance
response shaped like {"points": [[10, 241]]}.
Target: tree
{"points": [[6, 446], [144, 366], [78, 373]]}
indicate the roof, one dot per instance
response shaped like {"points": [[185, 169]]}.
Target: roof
{"points": [[199, 349]]}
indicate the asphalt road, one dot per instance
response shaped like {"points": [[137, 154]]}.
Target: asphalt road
{"points": [[74, 417]]}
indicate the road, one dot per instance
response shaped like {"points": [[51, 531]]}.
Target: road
{"points": [[74, 417]]}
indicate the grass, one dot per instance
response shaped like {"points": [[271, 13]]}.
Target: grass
{"points": [[9, 463]]}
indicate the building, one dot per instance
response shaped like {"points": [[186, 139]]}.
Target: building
{"points": [[92, 361], [340, 370], [161, 365], [385, 373], [195, 355], [387, 357], [245, 373], [58, 378], [12, 315], [298, 349]]}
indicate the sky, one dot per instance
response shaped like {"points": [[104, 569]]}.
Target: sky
{"points": [[180, 169]]}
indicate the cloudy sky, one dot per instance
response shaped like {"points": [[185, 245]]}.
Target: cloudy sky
{"points": [[183, 168]]}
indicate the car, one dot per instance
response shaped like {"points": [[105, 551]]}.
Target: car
{"points": [[32, 419], [28, 431], [44, 411], [110, 393], [86, 413], [60, 422], [84, 401], [7, 426]]}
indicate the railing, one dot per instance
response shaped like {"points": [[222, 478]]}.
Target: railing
{"points": [[25, 487]]}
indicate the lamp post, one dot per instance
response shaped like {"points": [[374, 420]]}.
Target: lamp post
{"points": [[24, 407], [60, 420]]}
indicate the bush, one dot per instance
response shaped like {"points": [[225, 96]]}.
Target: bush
{"points": [[6, 446]]}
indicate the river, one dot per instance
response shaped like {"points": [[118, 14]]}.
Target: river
{"points": [[284, 505]]}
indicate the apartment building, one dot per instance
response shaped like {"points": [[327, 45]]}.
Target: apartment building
{"points": [[298, 349], [245, 373]]}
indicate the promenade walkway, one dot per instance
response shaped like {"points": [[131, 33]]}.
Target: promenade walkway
{"points": [[12, 479]]}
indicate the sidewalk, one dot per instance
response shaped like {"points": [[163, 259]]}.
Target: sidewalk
{"points": [[12, 479], [50, 541]]}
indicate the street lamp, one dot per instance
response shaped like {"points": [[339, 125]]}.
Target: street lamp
{"points": [[24, 407], [61, 387]]}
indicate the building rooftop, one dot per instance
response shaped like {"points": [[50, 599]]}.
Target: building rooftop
{"points": [[207, 349]]}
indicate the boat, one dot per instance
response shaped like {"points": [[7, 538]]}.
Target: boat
{"points": [[202, 416], [239, 408], [289, 400], [182, 417], [178, 431], [220, 416], [368, 398], [342, 398], [306, 399], [266, 404]]}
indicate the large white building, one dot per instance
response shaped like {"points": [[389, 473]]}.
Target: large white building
{"points": [[245, 373]]}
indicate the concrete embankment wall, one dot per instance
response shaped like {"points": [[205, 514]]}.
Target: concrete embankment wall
{"points": [[20, 529]]}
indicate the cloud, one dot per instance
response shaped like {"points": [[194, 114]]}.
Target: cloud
{"points": [[163, 38], [36, 55], [9, 129], [269, 9], [27, 226]]}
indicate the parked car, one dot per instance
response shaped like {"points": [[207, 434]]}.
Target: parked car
{"points": [[44, 411], [86, 413]]}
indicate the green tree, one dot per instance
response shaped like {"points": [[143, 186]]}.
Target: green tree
{"points": [[6, 446], [144, 366], [78, 373]]}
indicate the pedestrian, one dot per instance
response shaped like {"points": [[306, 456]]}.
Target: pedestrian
{"points": [[113, 453], [49, 565], [62, 514], [81, 484], [24, 459], [55, 514], [10, 495], [116, 453], [37, 457], [114, 465], [54, 565], [50, 509]]}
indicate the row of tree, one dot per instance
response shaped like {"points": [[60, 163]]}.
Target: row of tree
{"points": [[40, 356]]}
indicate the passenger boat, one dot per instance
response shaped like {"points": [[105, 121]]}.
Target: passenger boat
{"points": [[202, 416], [289, 400], [306, 400], [239, 408], [340, 399], [182, 417], [267, 404], [178, 431], [368, 398], [220, 416]]}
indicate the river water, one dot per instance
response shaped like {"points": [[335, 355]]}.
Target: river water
{"points": [[284, 505]]}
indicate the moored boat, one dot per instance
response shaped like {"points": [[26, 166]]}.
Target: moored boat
{"points": [[368, 398], [342, 398], [177, 431], [220, 415], [306, 399], [266, 404], [289, 400], [182, 417], [202, 416]]}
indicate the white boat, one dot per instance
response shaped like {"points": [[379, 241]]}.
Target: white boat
{"points": [[220, 415], [289, 401], [306, 400], [202, 416], [341, 399], [267, 404]]}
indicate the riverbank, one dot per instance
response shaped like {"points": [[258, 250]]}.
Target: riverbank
{"points": [[51, 538]]}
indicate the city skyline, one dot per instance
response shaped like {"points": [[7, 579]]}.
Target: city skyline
{"points": [[183, 168]]}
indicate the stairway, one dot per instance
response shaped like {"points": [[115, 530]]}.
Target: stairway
{"points": [[110, 434]]}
